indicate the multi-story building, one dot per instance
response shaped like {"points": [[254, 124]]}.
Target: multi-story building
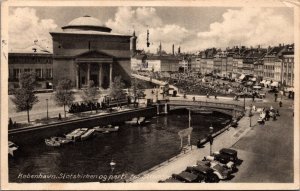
{"points": [[273, 56], [196, 64], [32, 59], [259, 69], [155, 63], [288, 66]]}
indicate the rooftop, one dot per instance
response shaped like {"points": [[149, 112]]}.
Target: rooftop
{"points": [[34, 49]]}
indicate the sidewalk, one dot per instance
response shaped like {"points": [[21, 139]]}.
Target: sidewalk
{"points": [[180, 162]]}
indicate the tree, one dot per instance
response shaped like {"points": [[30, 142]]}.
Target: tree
{"points": [[136, 90], [24, 97], [90, 94], [116, 90], [63, 95]]}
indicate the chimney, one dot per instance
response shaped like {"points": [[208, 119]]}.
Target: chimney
{"points": [[173, 49], [179, 50]]}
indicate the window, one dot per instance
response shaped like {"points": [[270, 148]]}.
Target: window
{"points": [[16, 73], [27, 70], [48, 73], [38, 72]]}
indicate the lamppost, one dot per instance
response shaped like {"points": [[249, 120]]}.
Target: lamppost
{"points": [[47, 109], [112, 167], [250, 115], [210, 138], [244, 101]]}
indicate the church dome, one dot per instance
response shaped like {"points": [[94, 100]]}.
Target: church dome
{"points": [[86, 23]]}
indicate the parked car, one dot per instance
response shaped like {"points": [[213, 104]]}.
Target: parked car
{"points": [[220, 170], [231, 153], [204, 172], [186, 177], [169, 180], [210, 161], [224, 159]]}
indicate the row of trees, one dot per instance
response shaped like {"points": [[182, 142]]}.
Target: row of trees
{"points": [[24, 97]]}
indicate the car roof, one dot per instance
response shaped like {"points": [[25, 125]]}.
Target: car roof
{"points": [[228, 151], [187, 176], [202, 168]]}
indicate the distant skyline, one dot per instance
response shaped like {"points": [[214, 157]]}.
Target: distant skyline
{"points": [[192, 28]]}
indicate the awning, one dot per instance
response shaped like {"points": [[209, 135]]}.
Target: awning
{"points": [[242, 76], [268, 82], [290, 89], [256, 87], [263, 82], [253, 79], [274, 84]]}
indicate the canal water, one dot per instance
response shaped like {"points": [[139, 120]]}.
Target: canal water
{"points": [[133, 149]]}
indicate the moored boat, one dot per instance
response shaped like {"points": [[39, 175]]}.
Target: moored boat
{"points": [[87, 134], [141, 120], [106, 129], [12, 147], [76, 134], [134, 121], [61, 140], [52, 143]]}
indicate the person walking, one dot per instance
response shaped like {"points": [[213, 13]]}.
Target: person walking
{"points": [[280, 103], [276, 95]]}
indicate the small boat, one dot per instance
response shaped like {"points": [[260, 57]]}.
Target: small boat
{"points": [[134, 121], [61, 140], [87, 134], [141, 120], [12, 147], [76, 134], [106, 129], [52, 143]]}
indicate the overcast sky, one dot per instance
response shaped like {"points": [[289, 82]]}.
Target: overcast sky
{"points": [[191, 28]]}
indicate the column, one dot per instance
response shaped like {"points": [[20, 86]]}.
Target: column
{"points": [[100, 75], [110, 74], [77, 76], [88, 73]]}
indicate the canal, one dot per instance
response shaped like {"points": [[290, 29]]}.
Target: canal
{"points": [[133, 149]]}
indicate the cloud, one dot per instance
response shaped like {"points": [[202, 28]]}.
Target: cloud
{"points": [[146, 18], [25, 27], [248, 26]]}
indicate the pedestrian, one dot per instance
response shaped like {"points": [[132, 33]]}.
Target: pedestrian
{"points": [[194, 98], [253, 97], [207, 95], [276, 95], [215, 96], [280, 104]]}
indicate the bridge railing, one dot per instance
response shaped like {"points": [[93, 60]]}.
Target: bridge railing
{"points": [[207, 104]]}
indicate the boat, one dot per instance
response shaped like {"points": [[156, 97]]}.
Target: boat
{"points": [[52, 143], [87, 134], [133, 121], [76, 134], [141, 120], [12, 147], [61, 140], [106, 129]]}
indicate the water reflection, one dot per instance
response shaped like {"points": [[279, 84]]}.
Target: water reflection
{"points": [[134, 149]]}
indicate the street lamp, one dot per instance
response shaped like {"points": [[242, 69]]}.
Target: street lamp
{"points": [[47, 109], [244, 100], [210, 138]]}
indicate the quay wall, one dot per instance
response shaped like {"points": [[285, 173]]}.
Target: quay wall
{"points": [[37, 134]]}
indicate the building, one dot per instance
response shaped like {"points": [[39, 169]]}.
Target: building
{"points": [[31, 59], [288, 66], [87, 50], [196, 64], [155, 63], [273, 56]]}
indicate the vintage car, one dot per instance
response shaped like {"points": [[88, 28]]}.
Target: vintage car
{"points": [[186, 177], [169, 180], [231, 153], [210, 161], [204, 172]]}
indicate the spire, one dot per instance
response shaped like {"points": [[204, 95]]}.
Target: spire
{"points": [[133, 33]]}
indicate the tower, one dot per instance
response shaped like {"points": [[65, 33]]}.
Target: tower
{"points": [[159, 48], [173, 49], [179, 50], [133, 44]]}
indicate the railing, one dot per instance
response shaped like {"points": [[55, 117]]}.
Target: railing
{"points": [[207, 104]]}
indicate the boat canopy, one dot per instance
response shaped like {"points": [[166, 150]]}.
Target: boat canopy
{"points": [[274, 84]]}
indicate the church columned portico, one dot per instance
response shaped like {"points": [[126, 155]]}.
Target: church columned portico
{"points": [[99, 72]]}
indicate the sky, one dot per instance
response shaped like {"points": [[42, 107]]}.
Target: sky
{"points": [[191, 28]]}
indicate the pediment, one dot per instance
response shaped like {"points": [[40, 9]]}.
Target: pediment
{"points": [[93, 54]]}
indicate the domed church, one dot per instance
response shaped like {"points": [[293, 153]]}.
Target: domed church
{"points": [[87, 50]]}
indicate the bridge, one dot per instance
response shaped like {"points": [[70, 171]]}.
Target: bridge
{"points": [[226, 108]]}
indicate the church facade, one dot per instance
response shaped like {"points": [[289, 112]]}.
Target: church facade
{"points": [[86, 50]]}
